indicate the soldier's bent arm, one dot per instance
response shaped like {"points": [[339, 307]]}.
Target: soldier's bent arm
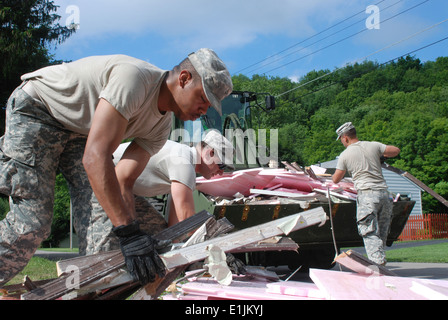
{"points": [[182, 205], [106, 133], [391, 151], [338, 175]]}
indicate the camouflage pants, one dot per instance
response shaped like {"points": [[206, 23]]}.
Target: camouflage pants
{"points": [[99, 233], [33, 150], [374, 213]]}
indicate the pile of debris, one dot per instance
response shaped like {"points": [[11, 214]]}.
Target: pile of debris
{"points": [[291, 183], [103, 276], [363, 280]]}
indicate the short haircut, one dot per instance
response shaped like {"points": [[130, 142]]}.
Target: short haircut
{"points": [[187, 65], [350, 133]]}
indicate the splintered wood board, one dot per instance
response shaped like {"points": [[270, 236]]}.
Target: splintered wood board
{"points": [[360, 264], [246, 236]]}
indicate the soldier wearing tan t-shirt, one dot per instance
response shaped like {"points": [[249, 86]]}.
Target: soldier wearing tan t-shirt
{"points": [[70, 118], [171, 171], [374, 206]]}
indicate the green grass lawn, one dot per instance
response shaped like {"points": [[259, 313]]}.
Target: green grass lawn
{"points": [[435, 253], [37, 269]]}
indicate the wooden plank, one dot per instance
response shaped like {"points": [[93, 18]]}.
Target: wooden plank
{"points": [[360, 264], [61, 286], [426, 188], [417, 182], [172, 233], [282, 244], [246, 236], [183, 228], [83, 261]]}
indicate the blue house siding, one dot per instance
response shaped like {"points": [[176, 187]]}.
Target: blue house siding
{"points": [[403, 186]]}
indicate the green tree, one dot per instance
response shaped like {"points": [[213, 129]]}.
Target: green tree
{"points": [[27, 30]]}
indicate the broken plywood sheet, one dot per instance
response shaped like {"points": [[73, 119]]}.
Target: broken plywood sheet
{"points": [[271, 244], [247, 236], [360, 264], [337, 285]]}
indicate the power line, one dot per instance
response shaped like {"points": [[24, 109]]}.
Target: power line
{"points": [[315, 35], [348, 37], [409, 53], [330, 35]]}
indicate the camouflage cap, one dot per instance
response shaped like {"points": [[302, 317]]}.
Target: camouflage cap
{"points": [[215, 77], [343, 129], [222, 147]]}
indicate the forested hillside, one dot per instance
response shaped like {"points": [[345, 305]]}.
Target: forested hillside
{"points": [[404, 103]]}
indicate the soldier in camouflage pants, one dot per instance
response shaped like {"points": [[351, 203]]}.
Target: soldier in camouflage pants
{"points": [[34, 148], [373, 215], [362, 159]]}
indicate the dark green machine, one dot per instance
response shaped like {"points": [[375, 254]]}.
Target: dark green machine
{"points": [[317, 245]]}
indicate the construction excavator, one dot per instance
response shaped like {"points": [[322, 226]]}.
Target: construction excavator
{"points": [[317, 245]]}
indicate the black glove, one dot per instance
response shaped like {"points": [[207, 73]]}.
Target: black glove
{"points": [[139, 251], [235, 265]]}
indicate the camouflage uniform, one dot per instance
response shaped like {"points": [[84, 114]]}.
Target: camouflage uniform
{"points": [[34, 148], [374, 213], [99, 233]]}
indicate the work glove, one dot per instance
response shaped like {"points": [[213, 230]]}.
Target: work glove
{"points": [[139, 251], [235, 265]]}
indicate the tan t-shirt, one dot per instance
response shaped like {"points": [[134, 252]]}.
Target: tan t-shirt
{"points": [[71, 92], [174, 162], [362, 161]]}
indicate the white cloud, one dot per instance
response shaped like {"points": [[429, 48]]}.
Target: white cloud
{"points": [[224, 24], [245, 32]]}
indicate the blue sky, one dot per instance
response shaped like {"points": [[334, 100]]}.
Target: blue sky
{"points": [[284, 38]]}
